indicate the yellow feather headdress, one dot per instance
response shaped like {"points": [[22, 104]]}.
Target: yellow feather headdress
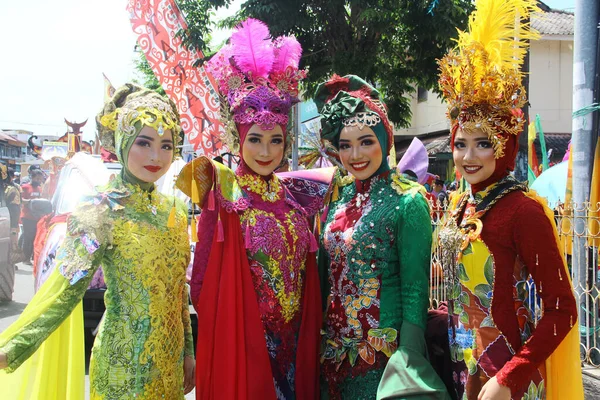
{"points": [[481, 78]]}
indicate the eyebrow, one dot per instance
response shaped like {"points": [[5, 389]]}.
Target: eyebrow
{"points": [[255, 134], [152, 139], [370, 135]]}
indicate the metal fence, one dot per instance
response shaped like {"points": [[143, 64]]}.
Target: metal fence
{"points": [[579, 237]]}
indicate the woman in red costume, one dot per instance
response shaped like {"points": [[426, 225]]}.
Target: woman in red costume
{"points": [[512, 313], [254, 281]]}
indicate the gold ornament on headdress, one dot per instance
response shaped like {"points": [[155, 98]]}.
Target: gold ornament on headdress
{"points": [[481, 78], [148, 111]]}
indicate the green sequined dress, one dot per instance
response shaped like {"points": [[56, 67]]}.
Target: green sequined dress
{"points": [[146, 332], [374, 260]]}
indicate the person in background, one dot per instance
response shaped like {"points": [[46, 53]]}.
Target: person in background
{"points": [[12, 196], [30, 191], [439, 191]]}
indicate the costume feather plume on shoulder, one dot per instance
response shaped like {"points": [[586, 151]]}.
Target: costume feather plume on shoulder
{"points": [[253, 48]]}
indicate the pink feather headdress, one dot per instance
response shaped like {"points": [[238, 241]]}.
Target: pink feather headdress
{"points": [[258, 76]]}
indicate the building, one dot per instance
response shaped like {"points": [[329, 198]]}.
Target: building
{"points": [[12, 150], [550, 95]]}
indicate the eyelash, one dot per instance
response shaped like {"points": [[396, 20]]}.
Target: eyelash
{"points": [[365, 142], [256, 140], [145, 143], [483, 145]]}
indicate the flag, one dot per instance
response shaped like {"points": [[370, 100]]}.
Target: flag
{"points": [[532, 168], [540, 132], [594, 212], [109, 89], [157, 24]]}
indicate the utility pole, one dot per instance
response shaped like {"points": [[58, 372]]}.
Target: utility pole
{"points": [[296, 132], [584, 71]]}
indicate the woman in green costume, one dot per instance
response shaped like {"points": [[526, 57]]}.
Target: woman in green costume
{"points": [[374, 258], [144, 348]]}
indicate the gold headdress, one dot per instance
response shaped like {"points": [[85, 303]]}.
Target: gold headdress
{"points": [[481, 78]]}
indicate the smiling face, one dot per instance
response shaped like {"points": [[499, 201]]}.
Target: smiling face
{"points": [[360, 151], [263, 150], [150, 155], [474, 156]]}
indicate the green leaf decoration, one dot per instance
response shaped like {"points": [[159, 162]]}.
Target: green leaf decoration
{"points": [[456, 290], [481, 291], [458, 309], [472, 365], [352, 355], [532, 390], [464, 298], [488, 270], [468, 250], [390, 334], [487, 322], [542, 390], [462, 273], [378, 333], [464, 318]]}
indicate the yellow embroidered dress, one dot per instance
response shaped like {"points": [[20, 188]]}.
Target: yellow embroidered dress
{"points": [[146, 332]]}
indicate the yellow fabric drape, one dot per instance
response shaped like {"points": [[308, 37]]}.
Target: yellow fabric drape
{"points": [[563, 367], [56, 371]]}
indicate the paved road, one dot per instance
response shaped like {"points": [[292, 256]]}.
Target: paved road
{"points": [[9, 311]]}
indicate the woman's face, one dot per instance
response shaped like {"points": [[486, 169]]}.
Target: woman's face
{"points": [[150, 155], [474, 155], [263, 150], [360, 151]]}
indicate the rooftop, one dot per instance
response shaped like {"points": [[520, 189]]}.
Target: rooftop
{"points": [[554, 22]]}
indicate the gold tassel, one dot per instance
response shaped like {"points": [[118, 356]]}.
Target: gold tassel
{"points": [[554, 329], [194, 222], [336, 193], [541, 287], [537, 260], [557, 300], [171, 220], [318, 218], [195, 194], [571, 322], [559, 274]]}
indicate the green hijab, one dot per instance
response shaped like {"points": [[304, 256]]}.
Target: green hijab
{"points": [[130, 109], [341, 98]]}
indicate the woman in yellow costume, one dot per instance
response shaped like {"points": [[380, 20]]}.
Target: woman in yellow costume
{"points": [[144, 348], [512, 313]]}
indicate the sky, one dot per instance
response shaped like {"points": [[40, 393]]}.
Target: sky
{"points": [[54, 54]]}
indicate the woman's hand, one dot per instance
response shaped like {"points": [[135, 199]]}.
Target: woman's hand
{"points": [[3, 361], [492, 390], [189, 374]]}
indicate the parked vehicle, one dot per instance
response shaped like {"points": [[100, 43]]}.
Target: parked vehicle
{"points": [[7, 269]]}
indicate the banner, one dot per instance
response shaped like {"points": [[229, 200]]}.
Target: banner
{"points": [[157, 22]]}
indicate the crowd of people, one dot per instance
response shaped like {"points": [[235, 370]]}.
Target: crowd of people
{"points": [[309, 285]]}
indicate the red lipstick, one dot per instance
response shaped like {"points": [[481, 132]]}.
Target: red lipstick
{"points": [[263, 163], [152, 168], [360, 166]]}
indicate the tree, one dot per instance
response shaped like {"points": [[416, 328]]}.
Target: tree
{"points": [[391, 44], [146, 78]]}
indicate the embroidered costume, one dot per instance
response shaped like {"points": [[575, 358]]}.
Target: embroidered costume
{"points": [[512, 313], [374, 263], [254, 281], [142, 244]]}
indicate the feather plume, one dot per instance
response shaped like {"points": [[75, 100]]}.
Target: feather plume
{"points": [[287, 53], [252, 48], [498, 27]]}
